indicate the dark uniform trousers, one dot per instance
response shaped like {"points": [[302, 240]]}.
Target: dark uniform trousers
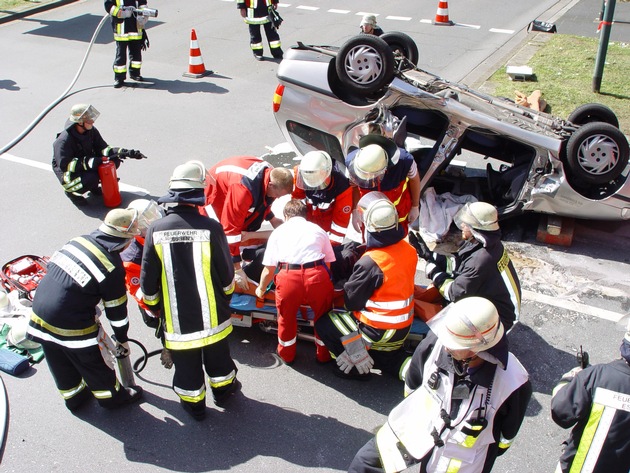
{"points": [[72, 369], [190, 365], [134, 47], [272, 35]]}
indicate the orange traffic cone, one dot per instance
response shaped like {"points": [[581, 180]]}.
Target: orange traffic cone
{"points": [[196, 67], [441, 16]]}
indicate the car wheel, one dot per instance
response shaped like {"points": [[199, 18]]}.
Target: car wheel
{"points": [[593, 112], [365, 64], [597, 153], [403, 44]]}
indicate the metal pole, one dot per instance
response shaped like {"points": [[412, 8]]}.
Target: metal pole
{"points": [[606, 24]]}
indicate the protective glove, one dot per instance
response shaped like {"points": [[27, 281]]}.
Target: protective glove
{"points": [[122, 349], [414, 213], [421, 248], [166, 359], [355, 219], [344, 363], [145, 41], [135, 154], [260, 292], [240, 278], [125, 12], [357, 351]]}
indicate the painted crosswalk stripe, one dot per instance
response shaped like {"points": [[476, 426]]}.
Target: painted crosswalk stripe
{"points": [[573, 306], [499, 30]]}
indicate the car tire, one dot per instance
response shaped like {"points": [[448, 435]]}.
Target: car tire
{"points": [[593, 112], [597, 153], [403, 43], [365, 64]]}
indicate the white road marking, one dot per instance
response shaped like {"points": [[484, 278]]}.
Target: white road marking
{"points": [[398, 18], [363, 13], [424, 20], [343, 12], [306, 7], [498, 30], [47, 167], [476, 27], [573, 306]]}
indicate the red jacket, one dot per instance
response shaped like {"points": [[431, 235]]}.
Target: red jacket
{"points": [[239, 197]]}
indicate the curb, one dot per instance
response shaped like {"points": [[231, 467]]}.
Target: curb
{"points": [[10, 15]]}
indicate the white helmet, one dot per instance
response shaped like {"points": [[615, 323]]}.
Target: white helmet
{"points": [[314, 171], [190, 175], [148, 212], [121, 223], [368, 20], [17, 335], [83, 111], [477, 215], [368, 166], [377, 212], [471, 323]]}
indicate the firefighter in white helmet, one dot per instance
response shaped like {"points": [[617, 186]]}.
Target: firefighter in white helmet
{"points": [[368, 25], [378, 296], [86, 271], [380, 165], [78, 152], [187, 278], [466, 397], [481, 266]]}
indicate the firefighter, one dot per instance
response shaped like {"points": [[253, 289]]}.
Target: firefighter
{"points": [[187, 279], [241, 195], [466, 397], [130, 37], [368, 25], [379, 296], [595, 401], [481, 266], [256, 13], [296, 259], [64, 319], [380, 165], [78, 151]]}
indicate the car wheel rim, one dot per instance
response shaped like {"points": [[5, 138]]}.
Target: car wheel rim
{"points": [[598, 154], [363, 64]]}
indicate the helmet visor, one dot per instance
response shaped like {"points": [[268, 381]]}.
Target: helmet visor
{"points": [[149, 215], [465, 217], [312, 180], [364, 178]]}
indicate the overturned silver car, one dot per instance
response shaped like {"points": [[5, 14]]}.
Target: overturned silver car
{"points": [[464, 141]]}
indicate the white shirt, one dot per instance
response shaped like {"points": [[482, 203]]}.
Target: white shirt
{"points": [[298, 241]]}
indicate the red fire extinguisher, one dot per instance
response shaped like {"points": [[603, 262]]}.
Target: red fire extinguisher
{"points": [[109, 183]]}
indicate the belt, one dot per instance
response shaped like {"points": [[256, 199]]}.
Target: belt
{"points": [[310, 264]]}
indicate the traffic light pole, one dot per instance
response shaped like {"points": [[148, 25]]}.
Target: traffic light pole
{"points": [[606, 24]]}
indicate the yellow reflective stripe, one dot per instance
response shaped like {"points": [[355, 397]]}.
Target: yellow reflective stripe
{"points": [[208, 300], [470, 440], [106, 394], [343, 321], [220, 381], [389, 305], [96, 251], [387, 444], [86, 261], [116, 302], [174, 344], [72, 166], [191, 395], [454, 466], [119, 323], [64, 332], [402, 192], [230, 289], [587, 438], [70, 393], [390, 319]]}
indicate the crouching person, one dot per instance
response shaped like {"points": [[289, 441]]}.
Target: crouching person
{"points": [[466, 398], [85, 271]]}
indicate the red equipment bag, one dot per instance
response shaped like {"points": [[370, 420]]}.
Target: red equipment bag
{"points": [[24, 274], [109, 183]]}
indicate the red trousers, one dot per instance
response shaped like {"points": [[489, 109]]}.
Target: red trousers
{"points": [[296, 287]]}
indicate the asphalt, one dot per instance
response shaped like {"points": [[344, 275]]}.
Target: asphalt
{"points": [[570, 16]]}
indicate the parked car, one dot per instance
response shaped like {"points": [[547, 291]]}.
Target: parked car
{"points": [[464, 141]]}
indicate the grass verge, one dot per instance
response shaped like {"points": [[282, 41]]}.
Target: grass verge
{"points": [[564, 66]]}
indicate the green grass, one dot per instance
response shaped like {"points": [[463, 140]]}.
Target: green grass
{"points": [[564, 67], [10, 4]]}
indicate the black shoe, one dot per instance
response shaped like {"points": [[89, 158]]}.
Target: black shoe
{"points": [[224, 395], [97, 191], [118, 83], [77, 200], [137, 78], [353, 374], [79, 400], [277, 54], [197, 410], [124, 397], [135, 394], [258, 57]]}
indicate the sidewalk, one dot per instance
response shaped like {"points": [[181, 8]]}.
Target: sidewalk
{"points": [[31, 9]]}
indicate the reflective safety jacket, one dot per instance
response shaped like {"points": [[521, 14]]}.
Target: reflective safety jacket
{"points": [[329, 208], [257, 10], [486, 271], [75, 153], [380, 289], [596, 403], [125, 29], [187, 274], [239, 197], [132, 259], [466, 437], [81, 274]]}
